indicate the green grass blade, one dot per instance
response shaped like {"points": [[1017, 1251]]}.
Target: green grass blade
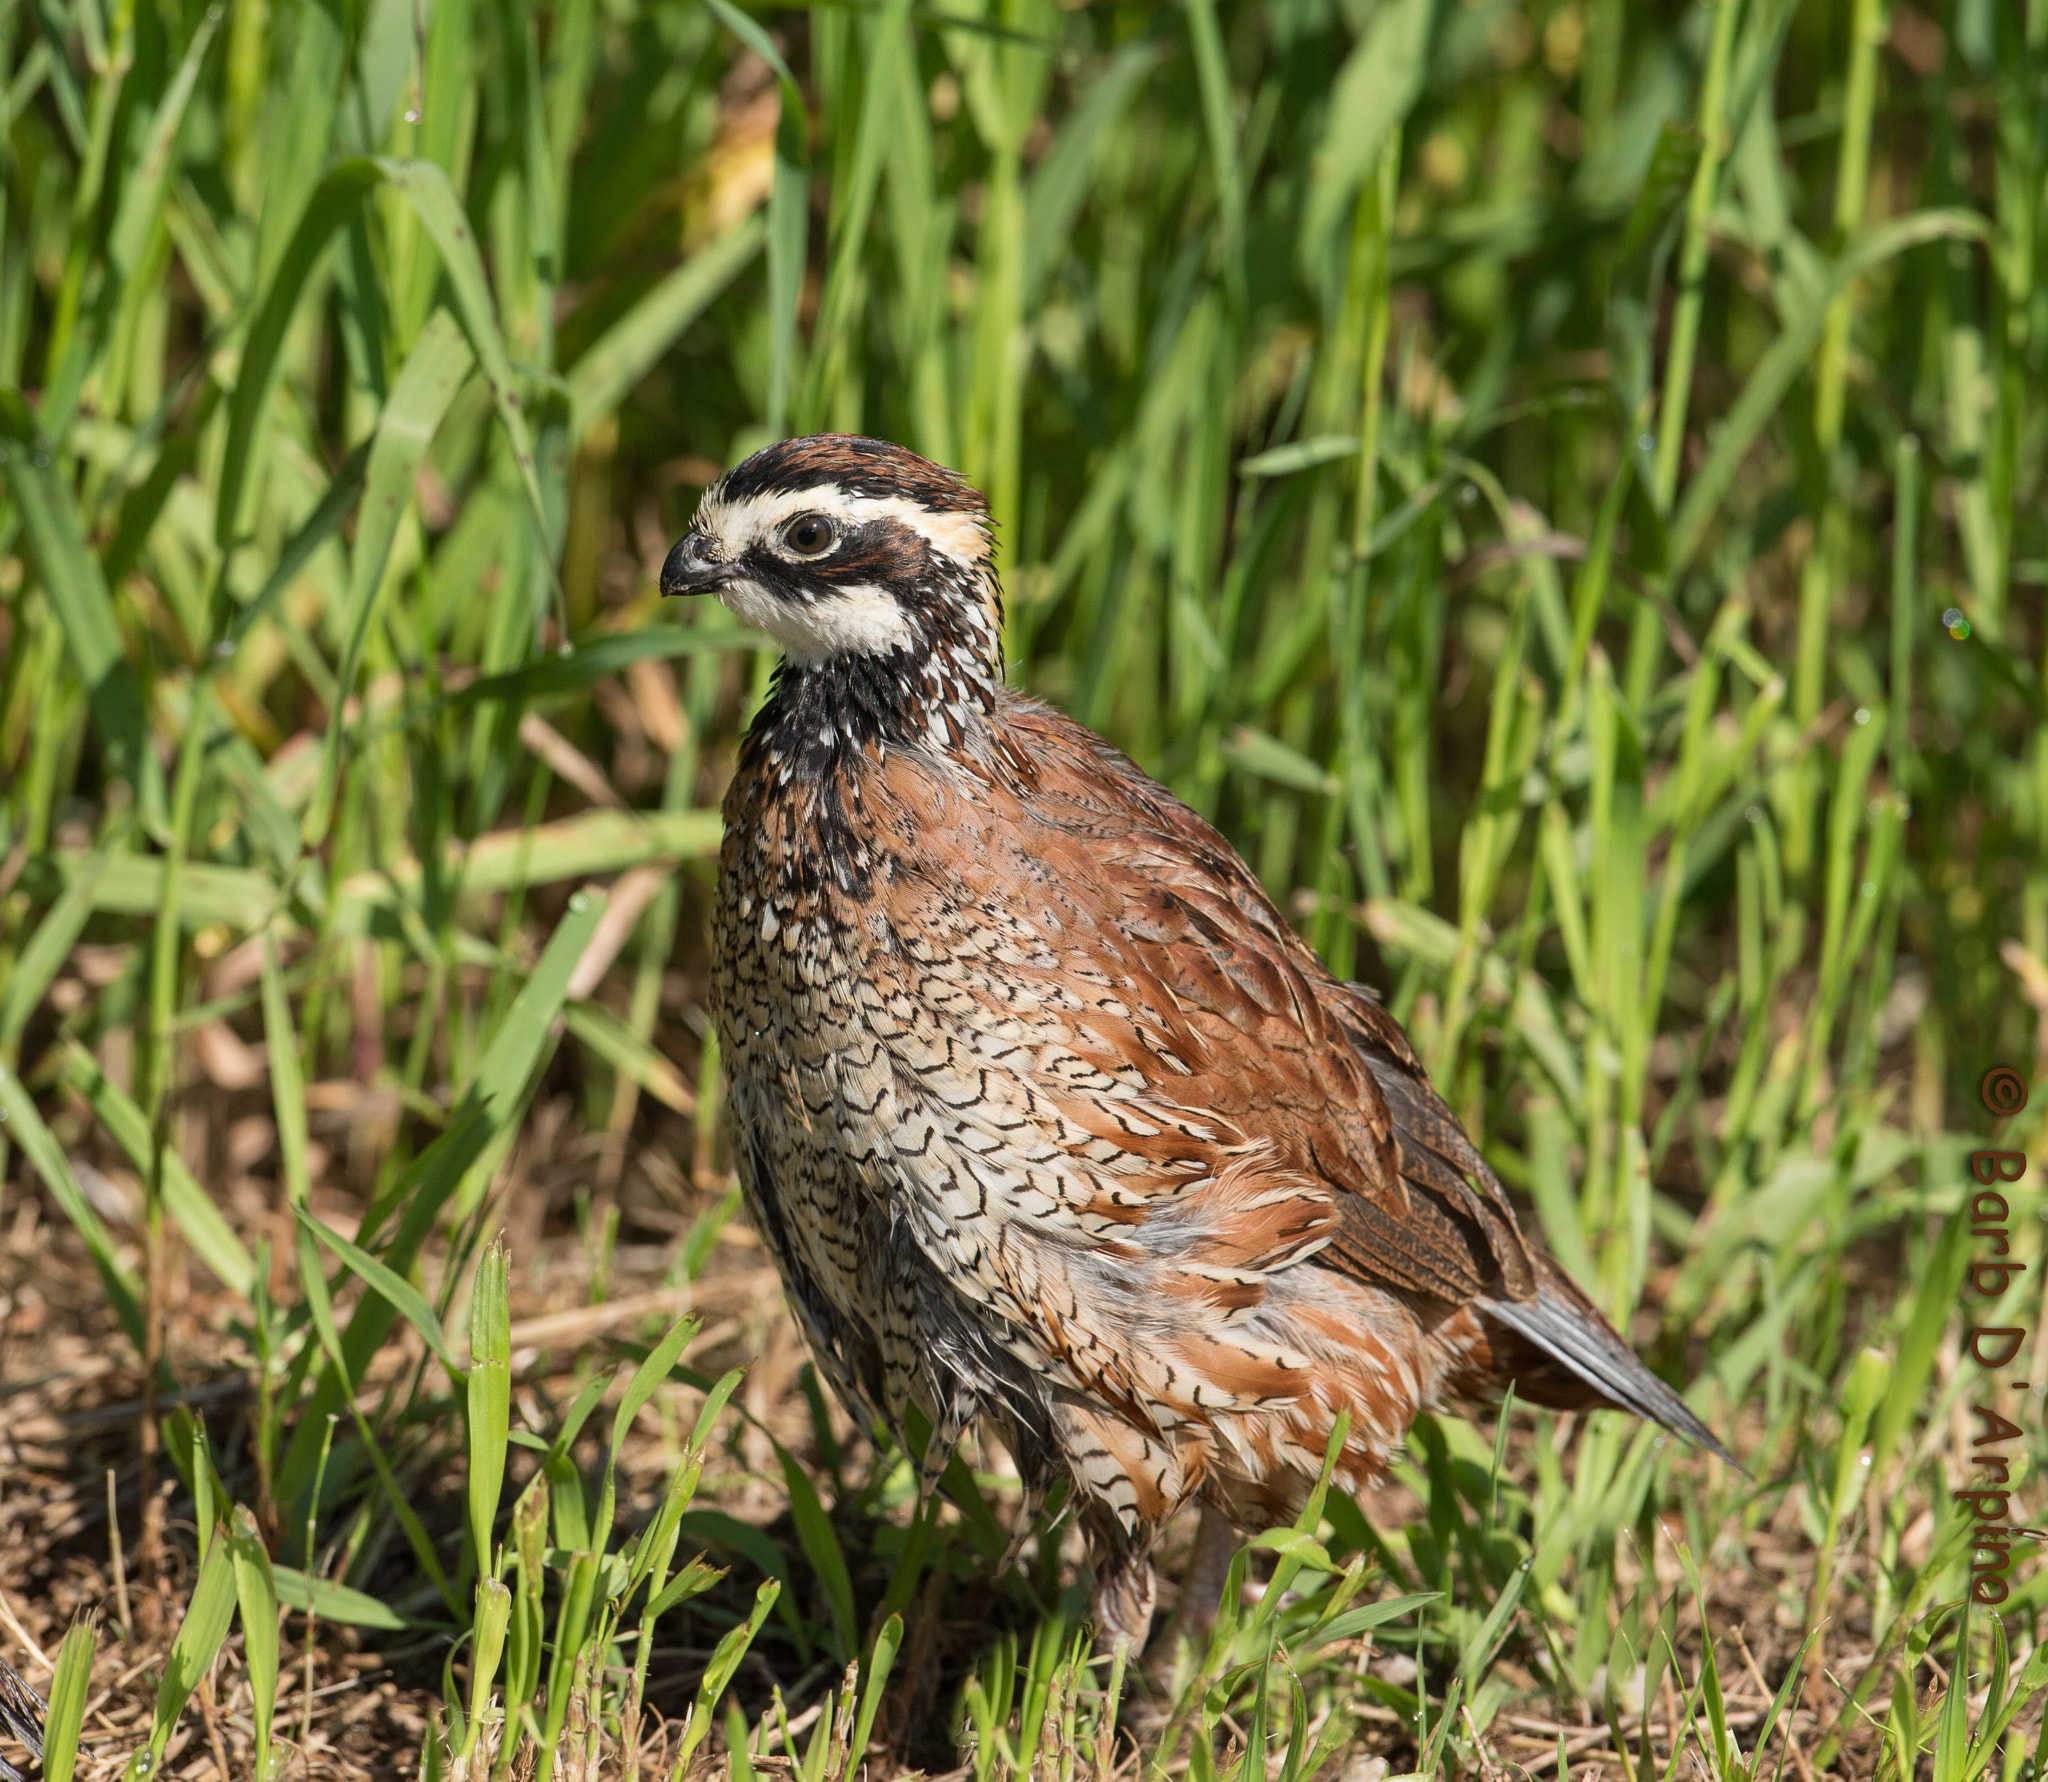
{"points": [[69, 1689], [130, 885], [1212, 77], [1683, 341], [489, 1625], [334, 1602], [400, 1293], [515, 1049], [320, 1306], [193, 1649], [835, 336], [256, 1593], [738, 1758], [649, 1375], [725, 1660], [590, 660], [715, 1400], [296, 154], [287, 1079], [874, 1678], [1940, 1287], [821, 1547], [488, 1397], [573, 1419], [1353, 1622], [1952, 1723]]}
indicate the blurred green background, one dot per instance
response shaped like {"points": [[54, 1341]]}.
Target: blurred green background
{"points": [[1559, 483]]}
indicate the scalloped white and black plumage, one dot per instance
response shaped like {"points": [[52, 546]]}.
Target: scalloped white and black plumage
{"points": [[1047, 1117]]}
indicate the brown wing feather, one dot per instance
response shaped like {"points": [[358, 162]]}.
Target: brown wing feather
{"points": [[1328, 1078]]}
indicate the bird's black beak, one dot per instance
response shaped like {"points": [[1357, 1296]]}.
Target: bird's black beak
{"points": [[690, 569]]}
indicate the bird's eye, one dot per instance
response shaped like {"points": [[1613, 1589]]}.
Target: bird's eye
{"points": [[809, 535]]}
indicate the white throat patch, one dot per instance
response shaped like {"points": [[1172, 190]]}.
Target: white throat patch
{"points": [[859, 620]]}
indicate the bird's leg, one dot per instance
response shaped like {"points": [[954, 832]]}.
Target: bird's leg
{"points": [[1126, 1587], [1196, 1609], [1201, 1591], [1120, 1605]]}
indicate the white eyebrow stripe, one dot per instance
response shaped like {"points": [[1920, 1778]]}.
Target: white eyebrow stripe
{"points": [[740, 525]]}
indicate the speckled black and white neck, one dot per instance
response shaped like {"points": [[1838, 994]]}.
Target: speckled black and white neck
{"points": [[932, 692]]}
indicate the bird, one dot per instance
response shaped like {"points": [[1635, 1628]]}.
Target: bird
{"points": [[23, 1714], [1051, 1123]]}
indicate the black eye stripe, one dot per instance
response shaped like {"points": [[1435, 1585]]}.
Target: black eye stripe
{"points": [[883, 552]]}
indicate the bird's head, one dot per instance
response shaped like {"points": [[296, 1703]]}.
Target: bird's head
{"points": [[839, 546]]}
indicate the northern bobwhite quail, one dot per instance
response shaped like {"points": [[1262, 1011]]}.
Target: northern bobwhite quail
{"points": [[1045, 1114]]}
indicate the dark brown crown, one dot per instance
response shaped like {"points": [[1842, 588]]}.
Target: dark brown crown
{"points": [[853, 464]]}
